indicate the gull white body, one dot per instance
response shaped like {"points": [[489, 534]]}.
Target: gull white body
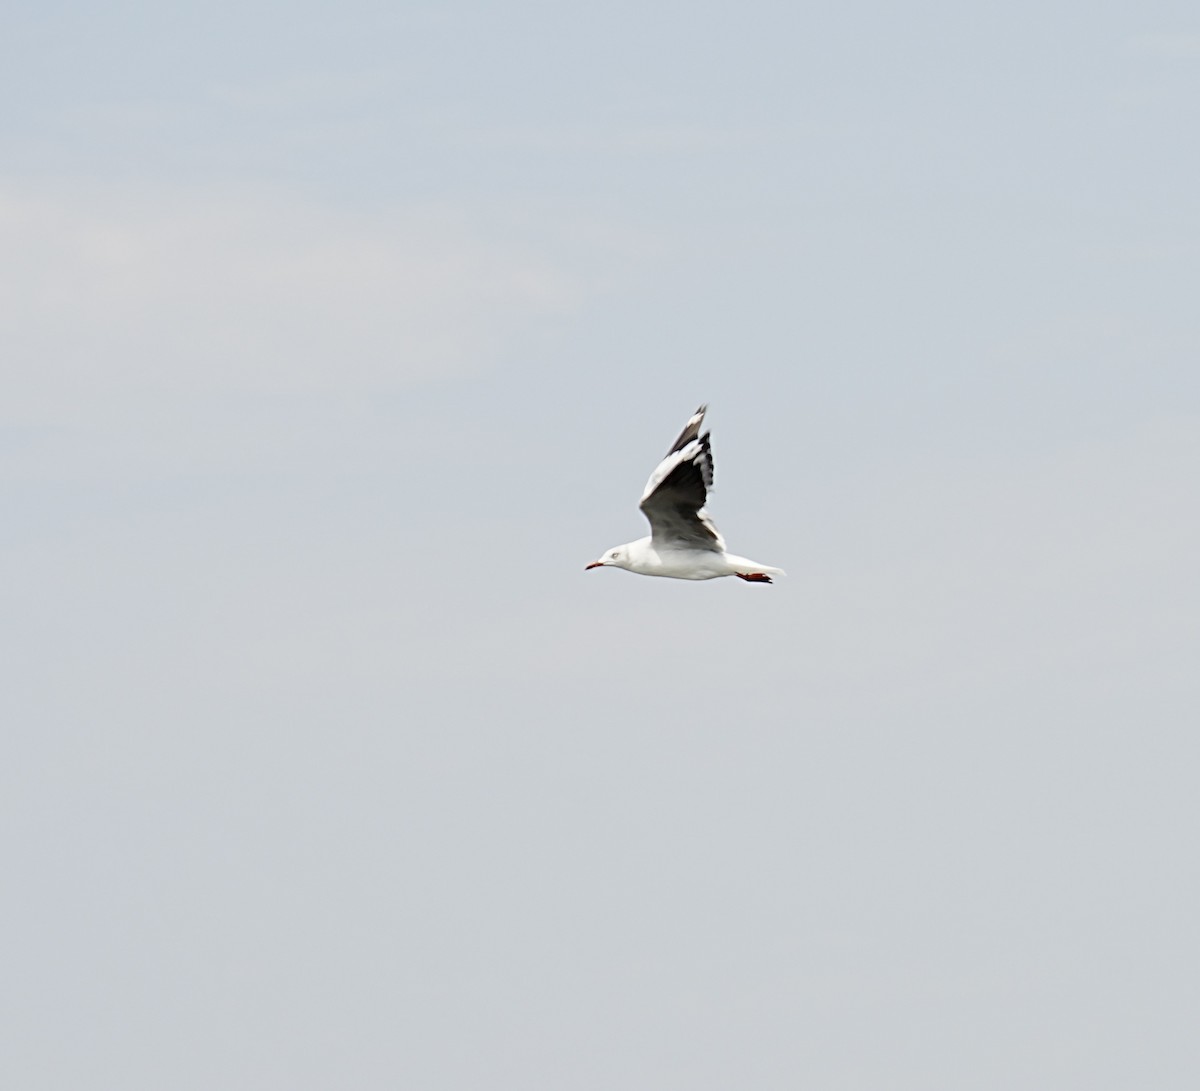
{"points": [[684, 545], [645, 559]]}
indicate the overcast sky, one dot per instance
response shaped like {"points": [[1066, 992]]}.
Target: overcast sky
{"points": [[336, 339]]}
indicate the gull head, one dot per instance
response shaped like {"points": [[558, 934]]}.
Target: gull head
{"points": [[614, 558]]}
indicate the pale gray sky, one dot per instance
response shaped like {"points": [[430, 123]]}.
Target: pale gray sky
{"points": [[337, 338]]}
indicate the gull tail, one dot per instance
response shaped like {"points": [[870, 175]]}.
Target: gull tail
{"points": [[742, 566]]}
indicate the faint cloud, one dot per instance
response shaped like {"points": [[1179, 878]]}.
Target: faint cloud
{"points": [[184, 293], [661, 139], [1171, 44], [300, 91]]}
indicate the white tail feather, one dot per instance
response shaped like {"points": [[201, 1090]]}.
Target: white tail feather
{"points": [[752, 568]]}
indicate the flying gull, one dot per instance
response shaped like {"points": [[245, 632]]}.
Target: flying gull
{"points": [[683, 544]]}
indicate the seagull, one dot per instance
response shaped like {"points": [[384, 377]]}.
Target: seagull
{"points": [[683, 544]]}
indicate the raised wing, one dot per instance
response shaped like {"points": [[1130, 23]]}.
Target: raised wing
{"points": [[678, 489]]}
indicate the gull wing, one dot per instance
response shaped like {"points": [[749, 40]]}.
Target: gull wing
{"points": [[678, 489]]}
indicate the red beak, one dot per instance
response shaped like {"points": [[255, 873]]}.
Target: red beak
{"points": [[594, 564]]}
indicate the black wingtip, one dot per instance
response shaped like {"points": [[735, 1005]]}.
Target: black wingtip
{"points": [[691, 430]]}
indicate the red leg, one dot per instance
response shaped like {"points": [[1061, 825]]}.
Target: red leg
{"points": [[753, 577]]}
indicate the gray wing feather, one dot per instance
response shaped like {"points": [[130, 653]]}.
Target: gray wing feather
{"points": [[678, 490]]}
